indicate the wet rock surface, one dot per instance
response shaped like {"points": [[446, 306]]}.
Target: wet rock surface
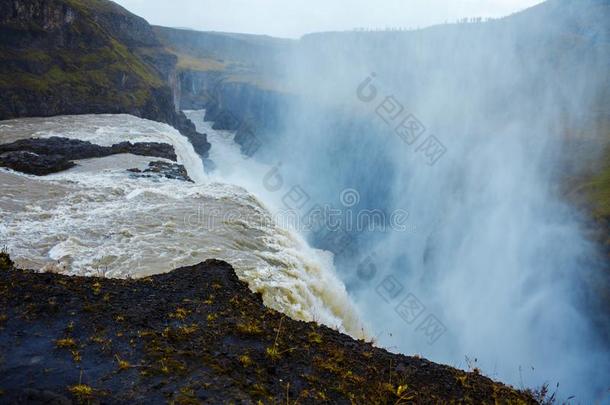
{"points": [[32, 163], [77, 149], [42, 156], [163, 169], [198, 335]]}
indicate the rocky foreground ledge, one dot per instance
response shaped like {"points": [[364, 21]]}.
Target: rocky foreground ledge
{"points": [[197, 335]]}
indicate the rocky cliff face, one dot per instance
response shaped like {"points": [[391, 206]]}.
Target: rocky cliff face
{"points": [[84, 56], [236, 77], [253, 112]]}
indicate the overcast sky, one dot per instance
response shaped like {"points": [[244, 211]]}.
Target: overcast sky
{"points": [[293, 18]]}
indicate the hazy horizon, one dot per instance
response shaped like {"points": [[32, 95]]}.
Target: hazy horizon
{"points": [[292, 20]]}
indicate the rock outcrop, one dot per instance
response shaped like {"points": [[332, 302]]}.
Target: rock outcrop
{"points": [[198, 335], [163, 169], [235, 77], [253, 112], [61, 57], [42, 156], [76, 149], [32, 163]]}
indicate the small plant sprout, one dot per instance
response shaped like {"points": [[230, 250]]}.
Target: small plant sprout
{"points": [[76, 356], [273, 352], [123, 364], [180, 314], [315, 338], [403, 394], [67, 343], [81, 391], [249, 328], [245, 360]]}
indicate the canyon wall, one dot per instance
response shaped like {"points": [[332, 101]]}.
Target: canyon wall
{"points": [[78, 57]]}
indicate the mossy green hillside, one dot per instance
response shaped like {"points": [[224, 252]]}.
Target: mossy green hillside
{"points": [[80, 60]]}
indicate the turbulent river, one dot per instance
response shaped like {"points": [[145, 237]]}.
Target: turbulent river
{"points": [[98, 219]]}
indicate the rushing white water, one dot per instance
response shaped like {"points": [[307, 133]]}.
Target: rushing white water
{"points": [[98, 219], [231, 165], [106, 130], [463, 127]]}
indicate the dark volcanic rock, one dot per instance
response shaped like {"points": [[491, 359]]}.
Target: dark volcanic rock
{"points": [[163, 169], [198, 334], [156, 149], [76, 149], [187, 128], [32, 163], [41, 156]]}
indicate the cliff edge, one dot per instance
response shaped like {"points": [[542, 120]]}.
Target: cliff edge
{"points": [[197, 335]]}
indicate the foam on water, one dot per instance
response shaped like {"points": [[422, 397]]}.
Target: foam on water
{"points": [[98, 219], [106, 130]]}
